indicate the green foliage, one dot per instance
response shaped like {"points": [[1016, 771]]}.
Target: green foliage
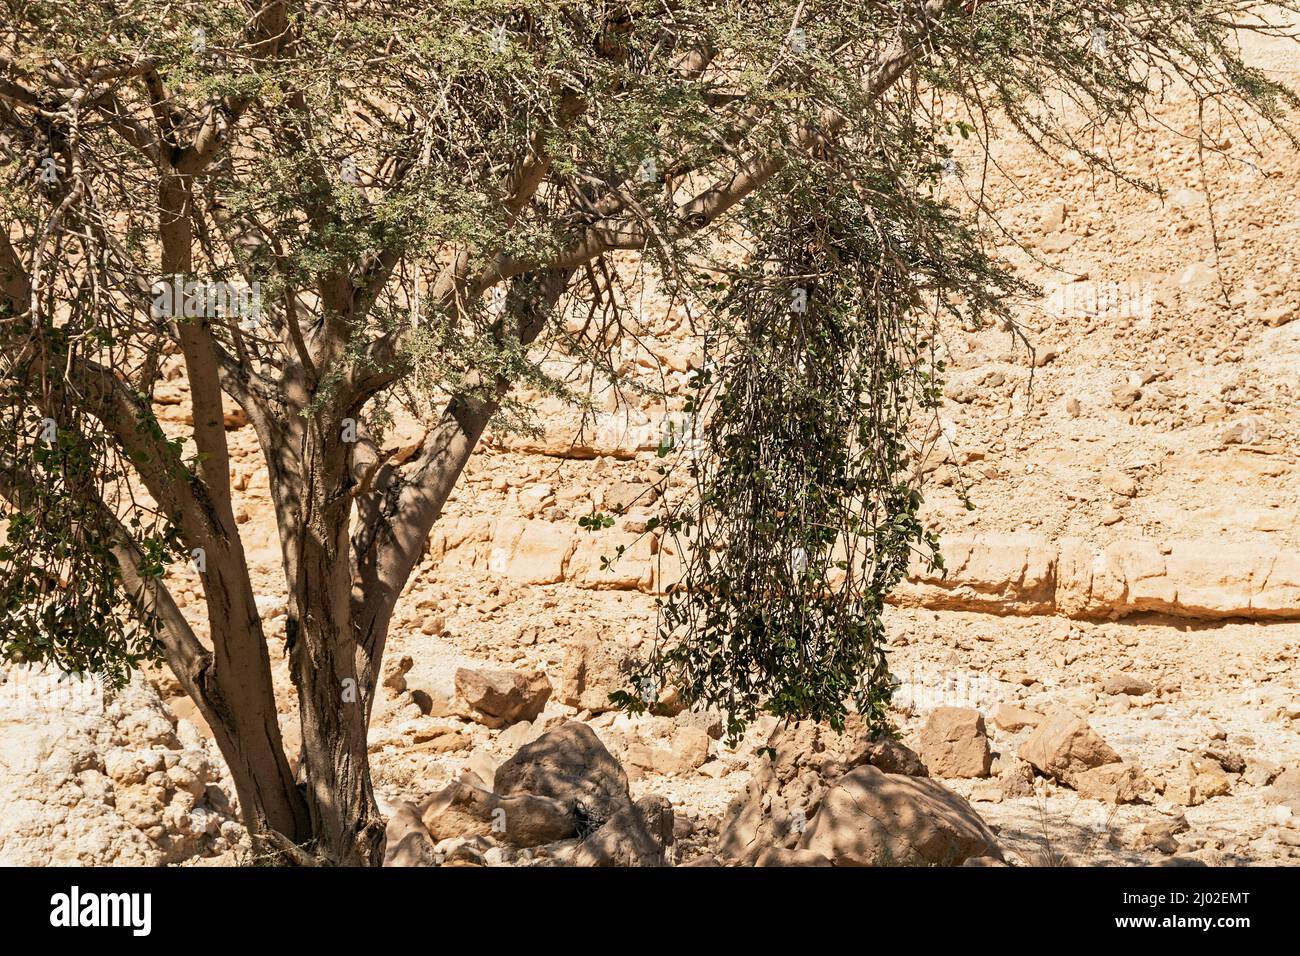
{"points": [[596, 522], [62, 599]]}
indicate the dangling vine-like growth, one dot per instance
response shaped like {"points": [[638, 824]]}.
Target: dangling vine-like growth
{"points": [[804, 511]]}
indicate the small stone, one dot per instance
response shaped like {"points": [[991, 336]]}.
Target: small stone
{"points": [[1260, 773], [1186, 198], [1125, 395], [1195, 781], [1016, 779], [1052, 216], [1159, 836], [1130, 684], [1229, 760], [987, 791], [395, 671], [1058, 242], [1119, 483]]}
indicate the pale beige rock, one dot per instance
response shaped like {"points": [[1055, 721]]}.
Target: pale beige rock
{"points": [[596, 563], [685, 749], [621, 496], [1112, 783], [1285, 789], [1064, 745], [954, 743], [1260, 773], [539, 554], [498, 697], [462, 810], [1052, 216], [1159, 835], [1011, 718], [594, 666], [1208, 578], [871, 818], [1196, 780], [1008, 573], [1026, 574], [1119, 483], [1129, 684], [395, 671], [103, 778]]}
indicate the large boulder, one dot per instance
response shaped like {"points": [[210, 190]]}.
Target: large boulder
{"points": [[805, 758], [954, 743], [498, 697], [462, 810], [870, 818], [1064, 746], [570, 765], [638, 835]]}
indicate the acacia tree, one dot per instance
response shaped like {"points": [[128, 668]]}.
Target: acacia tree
{"points": [[415, 194]]}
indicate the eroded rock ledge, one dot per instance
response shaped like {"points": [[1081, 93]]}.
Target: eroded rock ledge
{"points": [[1208, 578]]}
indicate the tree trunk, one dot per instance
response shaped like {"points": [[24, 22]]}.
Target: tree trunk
{"points": [[234, 690], [236, 697], [397, 523], [332, 702]]}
